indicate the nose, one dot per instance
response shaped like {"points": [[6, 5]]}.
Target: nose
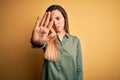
{"points": [[55, 22]]}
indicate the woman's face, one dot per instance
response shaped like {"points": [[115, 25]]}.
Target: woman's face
{"points": [[59, 21]]}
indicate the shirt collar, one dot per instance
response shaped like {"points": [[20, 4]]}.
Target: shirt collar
{"points": [[67, 35]]}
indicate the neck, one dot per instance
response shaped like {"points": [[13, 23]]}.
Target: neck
{"points": [[61, 35]]}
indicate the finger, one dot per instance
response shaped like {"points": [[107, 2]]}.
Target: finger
{"points": [[50, 24], [52, 31], [43, 19], [47, 19], [37, 23], [52, 35]]}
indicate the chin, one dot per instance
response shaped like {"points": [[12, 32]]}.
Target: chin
{"points": [[57, 31]]}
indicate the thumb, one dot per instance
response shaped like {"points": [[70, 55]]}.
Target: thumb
{"points": [[52, 34]]}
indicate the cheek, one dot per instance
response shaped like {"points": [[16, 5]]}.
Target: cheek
{"points": [[62, 22]]}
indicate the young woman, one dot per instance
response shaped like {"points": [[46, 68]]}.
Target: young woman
{"points": [[63, 59]]}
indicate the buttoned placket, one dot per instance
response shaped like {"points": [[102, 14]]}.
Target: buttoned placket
{"points": [[60, 44]]}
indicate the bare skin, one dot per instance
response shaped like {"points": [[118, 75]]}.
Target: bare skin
{"points": [[58, 24], [42, 28], [52, 23]]}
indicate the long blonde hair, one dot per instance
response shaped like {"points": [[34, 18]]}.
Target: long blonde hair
{"points": [[51, 52]]}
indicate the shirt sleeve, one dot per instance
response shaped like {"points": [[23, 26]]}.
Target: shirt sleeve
{"points": [[79, 61], [37, 46]]}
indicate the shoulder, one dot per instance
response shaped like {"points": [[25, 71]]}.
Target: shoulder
{"points": [[74, 38]]}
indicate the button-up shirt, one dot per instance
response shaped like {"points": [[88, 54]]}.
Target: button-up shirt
{"points": [[69, 63]]}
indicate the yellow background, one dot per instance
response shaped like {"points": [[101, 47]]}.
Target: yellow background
{"points": [[95, 22]]}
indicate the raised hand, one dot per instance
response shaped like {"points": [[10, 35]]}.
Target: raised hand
{"points": [[43, 31]]}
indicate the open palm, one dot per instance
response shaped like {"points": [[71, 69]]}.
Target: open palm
{"points": [[42, 29]]}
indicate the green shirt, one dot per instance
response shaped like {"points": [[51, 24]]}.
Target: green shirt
{"points": [[69, 64]]}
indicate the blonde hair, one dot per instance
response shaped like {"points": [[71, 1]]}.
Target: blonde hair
{"points": [[51, 52]]}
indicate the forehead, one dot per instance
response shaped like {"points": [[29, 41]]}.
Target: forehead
{"points": [[56, 13]]}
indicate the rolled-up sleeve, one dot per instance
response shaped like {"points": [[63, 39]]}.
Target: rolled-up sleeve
{"points": [[37, 46]]}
